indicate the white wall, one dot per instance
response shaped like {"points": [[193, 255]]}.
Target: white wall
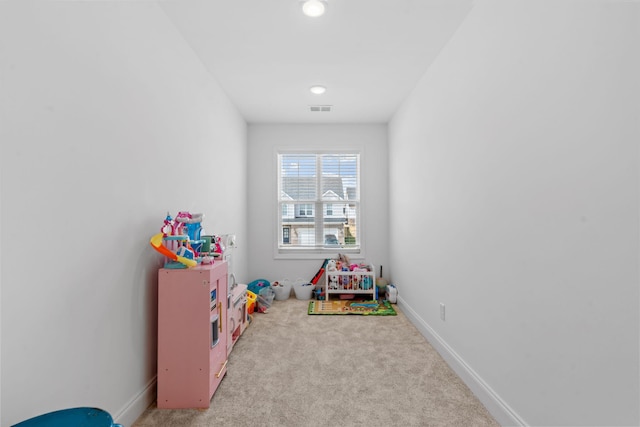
{"points": [[110, 121], [263, 141], [518, 154]]}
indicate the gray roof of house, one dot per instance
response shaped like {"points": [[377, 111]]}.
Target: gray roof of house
{"points": [[304, 187]]}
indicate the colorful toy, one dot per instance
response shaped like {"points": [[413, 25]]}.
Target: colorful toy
{"points": [[192, 222], [217, 245], [179, 240], [320, 272], [168, 228], [344, 280], [251, 301], [156, 243]]}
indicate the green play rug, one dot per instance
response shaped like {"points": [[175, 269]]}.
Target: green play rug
{"points": [[367, 308]]}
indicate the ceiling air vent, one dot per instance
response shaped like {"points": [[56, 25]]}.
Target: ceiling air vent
{"points": [[320, 108]]}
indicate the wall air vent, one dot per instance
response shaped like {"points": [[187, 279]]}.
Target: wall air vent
{"points": [[320, 108]]}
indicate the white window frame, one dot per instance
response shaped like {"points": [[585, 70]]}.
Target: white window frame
{"points": [[317, 252]]}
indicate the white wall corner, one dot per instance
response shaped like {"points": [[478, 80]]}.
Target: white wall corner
{"points": [[498, 408], [137, 404]]}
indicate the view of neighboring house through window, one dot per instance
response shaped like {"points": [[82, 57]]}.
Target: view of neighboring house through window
{"points": [[318, 201]]}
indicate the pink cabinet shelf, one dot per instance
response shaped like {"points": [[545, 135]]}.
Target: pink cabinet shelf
{"points": [[192, 334]]}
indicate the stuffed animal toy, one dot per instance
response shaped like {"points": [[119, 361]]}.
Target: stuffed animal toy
{"points": [[333, 279], [356, 279], [362, 280], [344, 280], [344, 258]]}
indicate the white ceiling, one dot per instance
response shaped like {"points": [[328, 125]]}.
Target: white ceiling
{"points": [[368, 53]]}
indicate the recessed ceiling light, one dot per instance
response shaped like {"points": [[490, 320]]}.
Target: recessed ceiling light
{"points": [[318, 90], [314, 8]]}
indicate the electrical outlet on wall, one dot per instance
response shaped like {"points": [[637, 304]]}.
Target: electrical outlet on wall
{"points": [[441, 311]]}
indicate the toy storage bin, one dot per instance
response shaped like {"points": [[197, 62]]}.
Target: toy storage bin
{"points": [[303, 291], [282, 289], [266, 297], [258, 285]]}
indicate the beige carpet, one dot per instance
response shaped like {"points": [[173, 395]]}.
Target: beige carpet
{"points": [[292, 369]]}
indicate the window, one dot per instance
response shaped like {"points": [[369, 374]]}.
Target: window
{"points": [[319, 202], [304, 210]]}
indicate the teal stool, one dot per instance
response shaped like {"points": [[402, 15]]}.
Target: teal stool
{"points": [[75, 417]]}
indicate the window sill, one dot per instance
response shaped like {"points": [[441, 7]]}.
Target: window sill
{"points": [[316, 253]]}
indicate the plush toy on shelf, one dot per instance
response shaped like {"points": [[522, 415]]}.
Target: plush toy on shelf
{"points": [[333, 279]]}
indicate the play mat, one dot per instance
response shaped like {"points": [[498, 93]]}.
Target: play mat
{"points": [[370, 308]]}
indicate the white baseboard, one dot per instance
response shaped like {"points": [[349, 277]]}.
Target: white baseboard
{"points": [[137, 405], [502, 413]]}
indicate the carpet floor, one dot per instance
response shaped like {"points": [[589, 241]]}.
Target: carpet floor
{"points": [[292, 369]]}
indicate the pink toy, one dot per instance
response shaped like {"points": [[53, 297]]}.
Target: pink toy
{"points": [[181, 219], [219, 246], [175, 239]]}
